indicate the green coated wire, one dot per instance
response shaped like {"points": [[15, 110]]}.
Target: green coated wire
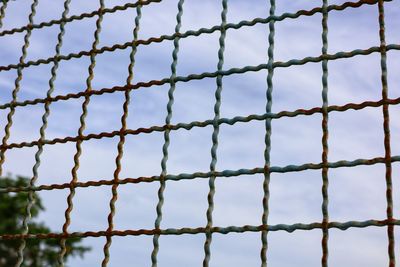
{"points": [[214, 158], [160, 193], [268, 132]]}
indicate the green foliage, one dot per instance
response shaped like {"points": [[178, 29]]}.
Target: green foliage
{"points": [[38, 252]]}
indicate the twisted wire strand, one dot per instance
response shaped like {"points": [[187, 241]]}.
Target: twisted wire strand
{"points": [[160, 193], [121, 142], [189, 33], [221, 230], [74, 171], [191, 77], [78, 17], [143, 3], [214, 148], [2, 15], [11, 113], [264, 228], [188, 126], [386, 129], [17, 83], [325, 135], [267, 138], [3, 11], [43, 127], [190, 176]]}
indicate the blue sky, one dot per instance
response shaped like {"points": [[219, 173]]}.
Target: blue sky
{"points": [[355, 193]]}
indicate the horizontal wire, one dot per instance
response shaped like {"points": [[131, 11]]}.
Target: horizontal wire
{"points": [[188, 126], [187, 34], [143, 3], [202, 124], [220, 230], [78, 17], [278, 64], [191, 176]]}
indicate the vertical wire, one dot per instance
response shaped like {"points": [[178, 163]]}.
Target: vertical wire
{"points": [[2, 15], [63, 248], [12, 111], [17, 86], [43, 131], [325, 135], [121, 138], [386, 128], [268, 132], [3, 12], [9, 124], [164, 160], [217, 105]]}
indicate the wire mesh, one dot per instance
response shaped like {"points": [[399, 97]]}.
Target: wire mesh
{"points": [[268, 117]]}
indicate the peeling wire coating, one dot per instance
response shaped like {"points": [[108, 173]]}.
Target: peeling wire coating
{"points": [[166, 129], [161, 189]]}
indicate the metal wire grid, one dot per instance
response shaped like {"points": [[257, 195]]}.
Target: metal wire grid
{"points": [[213, 173]]}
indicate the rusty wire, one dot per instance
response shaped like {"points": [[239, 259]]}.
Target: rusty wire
{"points": [[267, 140], [80, 133], [121, 138], [171, 99], [213, 173], [7, 134], [325, 133], [386, 130]]}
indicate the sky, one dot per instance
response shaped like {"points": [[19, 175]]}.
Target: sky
{"points": [[354, 193]]}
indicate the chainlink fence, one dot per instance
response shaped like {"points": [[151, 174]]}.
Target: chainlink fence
{"points": [[268, 117]]}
